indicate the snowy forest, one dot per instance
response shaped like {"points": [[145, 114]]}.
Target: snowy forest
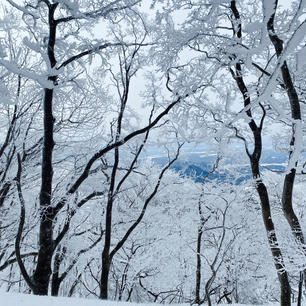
{"points": [[152, 151]]}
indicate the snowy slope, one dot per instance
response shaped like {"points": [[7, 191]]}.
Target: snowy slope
{"points": [[17, 299]]}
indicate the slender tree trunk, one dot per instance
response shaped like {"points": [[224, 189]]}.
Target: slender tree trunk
{"points": [[106, 258], [207, 288], [55, 286], [75, 283], [198, 270], [56, 279], [300, 292], [288, 208]]}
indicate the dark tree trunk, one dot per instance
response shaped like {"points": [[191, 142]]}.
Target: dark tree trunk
{"points": [[75, 283], [42, 272], [106, 257], [289, 213], [198, 270], [56, 278], [41, 276], [104, 276], [272, 239], [207, 289], [300, 292], [55, 286]]}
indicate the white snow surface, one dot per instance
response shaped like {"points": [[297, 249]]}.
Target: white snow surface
{"points": [[18, 299]]}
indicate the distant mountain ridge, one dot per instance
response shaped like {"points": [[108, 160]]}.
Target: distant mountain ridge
{"points": [[197, 165]]}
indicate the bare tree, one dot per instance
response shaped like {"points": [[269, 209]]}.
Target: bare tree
{"points": [[296, 137]]}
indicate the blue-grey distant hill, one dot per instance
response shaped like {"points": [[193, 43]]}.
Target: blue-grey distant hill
{"points": [[236, 169]]}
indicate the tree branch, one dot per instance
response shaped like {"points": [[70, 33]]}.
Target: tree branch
{"points": [[148, 200], [20, 228]]}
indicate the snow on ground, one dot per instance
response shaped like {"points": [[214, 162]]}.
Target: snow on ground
{"points": [[18, 299]]}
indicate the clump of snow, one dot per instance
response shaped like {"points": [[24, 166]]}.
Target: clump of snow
{"points": [[252, 27], [5, 97]]}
